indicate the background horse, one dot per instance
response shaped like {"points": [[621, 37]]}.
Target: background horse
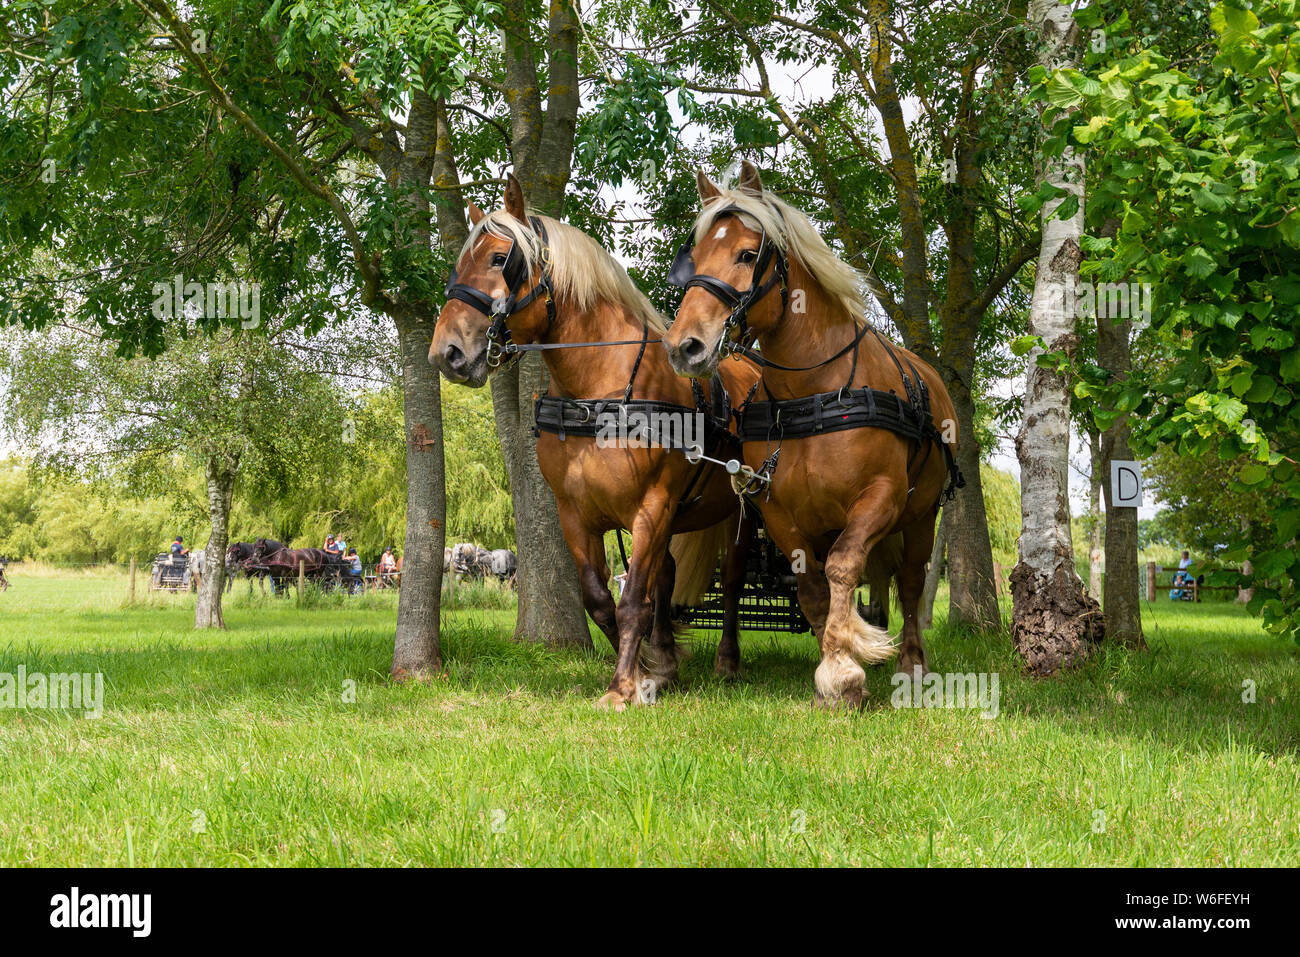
{"points": [[580, 294], [240, 552], [759, 267], [283, 562]]}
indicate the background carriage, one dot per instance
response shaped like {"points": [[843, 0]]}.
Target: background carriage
{"points": [[769, 601], [170, 572]]}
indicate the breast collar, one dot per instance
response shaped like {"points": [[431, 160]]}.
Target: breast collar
{"points": [[684, 276], [515, 273]]}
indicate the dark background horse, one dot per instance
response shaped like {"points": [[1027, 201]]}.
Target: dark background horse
{"points": [[239, 553]]}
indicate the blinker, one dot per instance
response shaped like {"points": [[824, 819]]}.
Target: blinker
{"points": [[683, 270]]}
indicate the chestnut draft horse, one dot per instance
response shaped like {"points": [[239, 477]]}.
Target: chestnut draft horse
{"points": [[852, 436], [530, 283]]}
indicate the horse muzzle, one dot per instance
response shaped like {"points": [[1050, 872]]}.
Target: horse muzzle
{"points": [[461, 368], [692, 356]]}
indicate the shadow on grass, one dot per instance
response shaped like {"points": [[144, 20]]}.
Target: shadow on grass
{"points": [[1183, 697]]}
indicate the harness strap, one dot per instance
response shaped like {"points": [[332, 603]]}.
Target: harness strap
{"points": [[564, 417], [844, 410]]}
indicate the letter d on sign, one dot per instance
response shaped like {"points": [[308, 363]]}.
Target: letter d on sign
{"points": [[1125, 484]]}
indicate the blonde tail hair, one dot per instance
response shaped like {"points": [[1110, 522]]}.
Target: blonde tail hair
{"points": [[696, 555]]}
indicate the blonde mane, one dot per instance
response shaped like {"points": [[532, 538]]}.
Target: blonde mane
{"points": [[582, 271], [795, 235]]}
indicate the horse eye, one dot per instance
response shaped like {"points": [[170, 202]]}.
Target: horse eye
{"points": [[498, 260], [747, 256]]}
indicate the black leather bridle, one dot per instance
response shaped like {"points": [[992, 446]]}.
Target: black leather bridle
{"points": [[684, 276], [501, 350]]}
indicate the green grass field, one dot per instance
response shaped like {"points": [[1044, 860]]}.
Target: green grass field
{"points": [[243, 747]]}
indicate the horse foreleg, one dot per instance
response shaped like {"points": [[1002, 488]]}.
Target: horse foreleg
{"points": [[660, 655], [636, 607], [727, 664], [849, 642], [588, 550], [918, 541]]}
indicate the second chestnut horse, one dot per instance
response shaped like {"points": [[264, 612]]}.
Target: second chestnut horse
{"points": [[854, 436]]}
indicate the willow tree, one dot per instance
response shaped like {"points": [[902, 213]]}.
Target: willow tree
{"points": [[236, 404]]}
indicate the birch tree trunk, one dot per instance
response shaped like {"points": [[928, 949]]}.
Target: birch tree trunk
{"points": [[1054, 623], [220, 474]]}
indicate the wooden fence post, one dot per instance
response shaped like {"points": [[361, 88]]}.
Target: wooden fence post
{"points": [[130, 594], [997, 579], [302, 580], [1151, 581]]}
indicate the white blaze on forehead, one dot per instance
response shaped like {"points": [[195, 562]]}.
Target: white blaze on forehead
{"points": [[722, 231]]}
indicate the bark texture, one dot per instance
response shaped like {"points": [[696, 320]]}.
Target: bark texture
{"points": [[1054, 622], [220, 474], [1121, 595], [1095, 534], [933, 572]]}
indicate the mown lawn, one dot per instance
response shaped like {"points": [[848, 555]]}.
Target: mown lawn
{"points": [[242, 748]]}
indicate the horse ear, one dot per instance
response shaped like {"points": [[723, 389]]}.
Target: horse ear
{"points": [[708, 189], [750, 181], [515, 198], [475, 214]]}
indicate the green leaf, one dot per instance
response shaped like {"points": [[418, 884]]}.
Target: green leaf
{"points": [[1197, 262]]}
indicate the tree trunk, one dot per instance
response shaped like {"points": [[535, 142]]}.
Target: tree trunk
{"points": [[417, 651], [925, 616], [1054, 623], [1095, 472], [550, 600], [972, 592], [1121, 596], [1247, 592], [220, 474], [417, 644]]}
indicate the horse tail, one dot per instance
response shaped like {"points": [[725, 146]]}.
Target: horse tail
{"points": [[696, 555]]}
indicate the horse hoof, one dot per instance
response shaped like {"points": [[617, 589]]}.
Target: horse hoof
{"points": [[727, 670], [909, 666], [611, 701], [849, 701]]}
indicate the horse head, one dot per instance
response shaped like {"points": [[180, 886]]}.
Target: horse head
{"points": [[498, 292], [735, 275]]}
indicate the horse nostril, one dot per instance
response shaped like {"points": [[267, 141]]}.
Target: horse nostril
{"points": [[454, 358], [693, 349]]}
